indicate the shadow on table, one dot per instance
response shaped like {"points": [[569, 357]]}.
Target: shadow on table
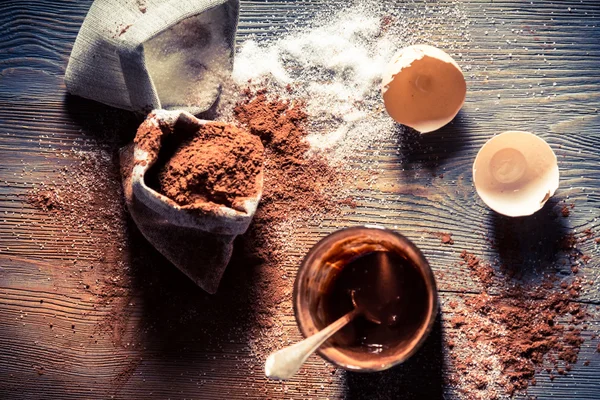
{"points": [[109, 125], [178, 316], [421, 377], [430, 150], [529, 246]]}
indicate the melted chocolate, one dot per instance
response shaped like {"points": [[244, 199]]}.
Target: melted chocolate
{"points": [[388, 288]]}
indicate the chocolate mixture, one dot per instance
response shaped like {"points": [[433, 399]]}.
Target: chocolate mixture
{"points": [[219, 163], [390, 289]]}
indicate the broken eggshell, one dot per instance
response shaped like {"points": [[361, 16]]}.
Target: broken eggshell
{"points": [[515, 173], [423, 88]]}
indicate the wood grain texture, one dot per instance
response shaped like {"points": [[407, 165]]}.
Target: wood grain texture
{"points": [[529, 66]]}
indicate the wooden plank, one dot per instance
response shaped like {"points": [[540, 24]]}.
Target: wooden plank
{"points": [[176, 365], [64, 337]]}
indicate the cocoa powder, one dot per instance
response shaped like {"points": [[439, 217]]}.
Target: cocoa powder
{"points": [[46, 200], [294, 182], [479, 269], [299, 191], [89, 204], [518, 327], [219, 163], [446, 238]]}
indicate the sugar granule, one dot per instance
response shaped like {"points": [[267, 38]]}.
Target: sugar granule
{"points": [[335, 64]]}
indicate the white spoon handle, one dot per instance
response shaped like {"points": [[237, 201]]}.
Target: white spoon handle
{"points": [[283, 364]]}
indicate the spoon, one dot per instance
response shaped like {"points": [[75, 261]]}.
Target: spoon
{"points": [[284, 363]]}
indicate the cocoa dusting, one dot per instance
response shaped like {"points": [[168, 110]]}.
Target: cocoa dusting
{"points": [[299, 191], [349, 201], [514, 327], [219, 163], [43, 199], [447, 238], [87, 207], [568, 242], [479, 269], [125, 29], [457, 321]]}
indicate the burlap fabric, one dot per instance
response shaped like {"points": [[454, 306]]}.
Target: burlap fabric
{"points": [[141, 55], [197, 238]]}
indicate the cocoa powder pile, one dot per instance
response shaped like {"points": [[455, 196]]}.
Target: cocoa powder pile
{"points": [[300, 191], [219, 163], [296, 181]]}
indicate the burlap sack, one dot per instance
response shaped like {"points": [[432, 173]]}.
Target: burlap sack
{"points": [[141, 55], [198, 238]]}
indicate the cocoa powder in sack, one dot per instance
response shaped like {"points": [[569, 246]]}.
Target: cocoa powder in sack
{"points": [[191, 187]]}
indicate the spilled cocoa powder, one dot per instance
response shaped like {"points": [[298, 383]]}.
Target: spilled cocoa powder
{"points": [[446, 238], [299, 191], [46, 200], [88, 209], [219, 163], [294, 182], [290, 174], [515, 330], [480, 270]]}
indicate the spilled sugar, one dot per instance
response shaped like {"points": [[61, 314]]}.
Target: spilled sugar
{"points": [[334, 64]]}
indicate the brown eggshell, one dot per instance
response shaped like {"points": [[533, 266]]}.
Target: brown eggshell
{"points": [[423, 88]]}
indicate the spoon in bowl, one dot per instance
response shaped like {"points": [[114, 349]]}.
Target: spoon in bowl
{"points": [[284, 363], [377, 303]]}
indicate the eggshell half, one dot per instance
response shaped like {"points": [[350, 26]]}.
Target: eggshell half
{"points": [[423, 87], [515, 173]]}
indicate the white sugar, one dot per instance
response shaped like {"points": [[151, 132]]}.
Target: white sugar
{"points": [[335, 64]]}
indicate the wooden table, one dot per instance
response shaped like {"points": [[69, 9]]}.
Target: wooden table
{"points": [[58, 335]]}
